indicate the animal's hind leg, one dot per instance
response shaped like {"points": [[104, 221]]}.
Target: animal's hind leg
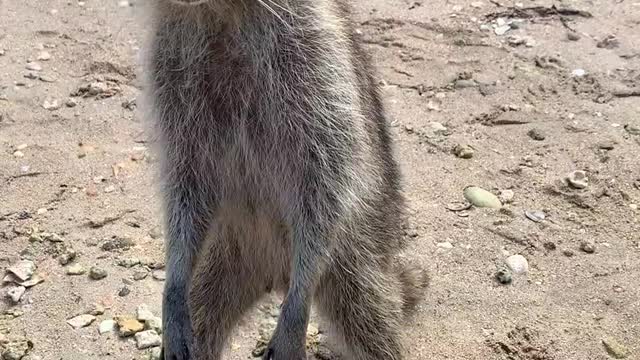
{"points": [[224, 286], [364, 304]]}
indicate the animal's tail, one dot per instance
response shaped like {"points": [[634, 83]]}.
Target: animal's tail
{"points": [[413, 281]]}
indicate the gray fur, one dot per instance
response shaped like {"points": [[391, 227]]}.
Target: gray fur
{"points": [[277, 174]]}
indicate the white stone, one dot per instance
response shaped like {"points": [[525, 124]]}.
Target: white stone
{"points": [[147, 339], [143, 313], [107, 326], [81, 321], [578, 72], [518, 264]]}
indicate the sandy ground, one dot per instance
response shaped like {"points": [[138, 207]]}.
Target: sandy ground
{"points": [[74, 162]]}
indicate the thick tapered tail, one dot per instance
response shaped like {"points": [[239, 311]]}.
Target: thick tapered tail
{"points": [[413, 281]]}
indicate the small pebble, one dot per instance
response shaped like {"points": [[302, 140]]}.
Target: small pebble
{"points": [[71, 103], [140, 275], [155, 353], [615, 349], [155, 324], [147, 339], [128, 326], [536, 134], [76, 269], [535, 216], [445, 245], [606, 145], [97, 273], [106, 326], [438, 128], [481, 198], [159, 275], [568, 253], [573, 36], [18, 154], [47, 78], [632, 129], [67, 257], [128, 262], [518, 264], [143, 313], [578, 179], [463, 151], [51, 105], [155, 232], [464, 83], [501, 30], [23, 269], [44, 56], [588, 247], [578, 73], [504, 276], [16, 350], [33, 66], [506, 196], [81, 321], [15, 293], [124, 291]]}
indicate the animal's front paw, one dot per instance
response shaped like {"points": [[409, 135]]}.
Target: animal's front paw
{"points": [[177, 334], [176, 347], [280, 350]]}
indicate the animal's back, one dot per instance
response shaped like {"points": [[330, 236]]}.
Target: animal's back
{"points": [[274, 115]]}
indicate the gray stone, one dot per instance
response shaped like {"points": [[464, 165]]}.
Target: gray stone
{"points": [[632, 129], [68, 256], [15, 293], [23, 269], [76, 269], [16, 350], [124, 291], [463, 84], [536, 134], [154, 354], [97, 273], [588, 247], [573, 36], [504, 276], [140, 275], [506, 196], [159, 275], [463, 151], [128, 262], [155, 324], [615, 349]]}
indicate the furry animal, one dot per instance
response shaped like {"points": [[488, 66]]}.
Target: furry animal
{"points": [[277, 173]]}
